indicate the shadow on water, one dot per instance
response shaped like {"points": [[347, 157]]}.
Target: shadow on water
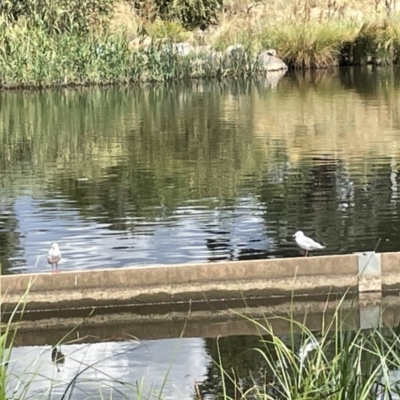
{"points": [[202, 172]]}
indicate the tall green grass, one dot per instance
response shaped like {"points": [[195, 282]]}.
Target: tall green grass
{"points": [[312, 44], [334, 362], [32, 57], [8, 332]]}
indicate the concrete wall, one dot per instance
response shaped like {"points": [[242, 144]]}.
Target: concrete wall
{"points": [[202, 282], [183, 283], [390, 270]]}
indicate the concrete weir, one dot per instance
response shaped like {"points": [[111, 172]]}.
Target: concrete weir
{"points": [[353, 273]]}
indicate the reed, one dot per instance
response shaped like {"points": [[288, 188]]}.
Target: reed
{"points": [[8, 332], [34, 59], [310, 45]]}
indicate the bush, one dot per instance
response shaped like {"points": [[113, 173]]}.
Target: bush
{"points": [[190, 13], [57, 15], [168, 30], [196, 13]]}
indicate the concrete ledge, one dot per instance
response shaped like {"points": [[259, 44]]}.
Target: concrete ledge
{"points": [[182, 283], [390, 263]]}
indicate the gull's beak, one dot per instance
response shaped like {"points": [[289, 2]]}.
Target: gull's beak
{"points": [[294, 235]]}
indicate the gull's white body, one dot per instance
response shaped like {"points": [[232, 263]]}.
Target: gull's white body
{"points": [[54, 255], [306, 243]]}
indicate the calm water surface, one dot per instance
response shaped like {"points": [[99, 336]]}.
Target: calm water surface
{"points": [[114, 370], [173, 369], [200, 172], [181, 173]]}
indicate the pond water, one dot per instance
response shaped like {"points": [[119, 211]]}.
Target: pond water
{"points": [[114, 370], [172, 360], [200, 172]]}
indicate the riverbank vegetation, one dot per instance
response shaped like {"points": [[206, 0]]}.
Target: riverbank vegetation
{"points": [[45, 43]]}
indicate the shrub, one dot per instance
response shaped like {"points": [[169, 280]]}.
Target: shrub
{"points": [[57, 15], [190, 13], [169, 30]]}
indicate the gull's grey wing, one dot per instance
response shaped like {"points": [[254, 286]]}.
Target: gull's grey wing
{"points": [[310, 243]]}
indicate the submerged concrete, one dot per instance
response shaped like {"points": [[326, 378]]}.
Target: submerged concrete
{"points": [[207, 320], [182, 283], [187, 320]]}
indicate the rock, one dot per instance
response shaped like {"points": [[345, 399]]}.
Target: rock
{"points": [[137, 43], [199, 37], [183, 48], [203, 49], [134, 44], [269, 62], [147, 41], [234, 50]]}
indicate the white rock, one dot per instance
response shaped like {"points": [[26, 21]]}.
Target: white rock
{"points": [[271, 63]]}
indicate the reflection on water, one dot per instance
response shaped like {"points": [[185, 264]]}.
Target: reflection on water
{"points": [[168, 369], [105, 357], [126, 370], [200, 172]]}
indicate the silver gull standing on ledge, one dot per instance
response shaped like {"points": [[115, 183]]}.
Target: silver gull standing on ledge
{"points": [[54, 257], [306, 243]]}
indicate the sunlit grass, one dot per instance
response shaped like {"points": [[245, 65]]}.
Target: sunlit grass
{"points": [[311, 36], [311, 44], [334, 362], [33, 58]]}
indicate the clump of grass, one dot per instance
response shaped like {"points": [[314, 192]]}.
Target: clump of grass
{"points": [[124, 19], [31, 57], [379, 40], [309, 45], [311, 34], [334, 362], [8, 332]]}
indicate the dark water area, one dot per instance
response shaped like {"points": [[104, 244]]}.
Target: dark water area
{"points": [[200, 172]]}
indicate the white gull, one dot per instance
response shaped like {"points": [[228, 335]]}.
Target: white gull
{"points": [[54, 256], [306, 243]]}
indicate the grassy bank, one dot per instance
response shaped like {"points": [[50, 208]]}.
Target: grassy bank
{"points": [[121, 42]]}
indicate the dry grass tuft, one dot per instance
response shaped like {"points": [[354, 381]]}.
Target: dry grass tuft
{"points": [[312, 33], [124, 19]]}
